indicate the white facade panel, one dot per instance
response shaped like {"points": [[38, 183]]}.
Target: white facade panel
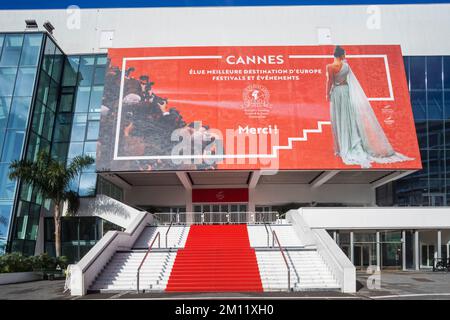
{"points": [[419, 29], [356, 194], [377, 218]]}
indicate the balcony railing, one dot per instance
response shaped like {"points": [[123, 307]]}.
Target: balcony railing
{"points": [[217, 217]]}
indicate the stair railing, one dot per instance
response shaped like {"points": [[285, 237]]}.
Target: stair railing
{"points": [[167, 232], [267, 231], [275, 237], [158, 236]]}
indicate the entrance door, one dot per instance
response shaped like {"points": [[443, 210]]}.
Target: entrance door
{"points": [[220, 212], [427, 255], [364, 255]]}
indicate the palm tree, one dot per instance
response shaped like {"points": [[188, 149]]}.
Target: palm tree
{"points": [[51, 178]]}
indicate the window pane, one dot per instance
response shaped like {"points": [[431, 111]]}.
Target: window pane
{"points": [[99, 77], [94, 116], [406, 63], [86, 71], [12, 47], [96, 99], [7, 80], [82, 99], [447, 104], [447, 72], [422, 134], [436, 164], [13, 145], [49, 122], [417, 72], [434, 73], [90, 148], [435, 105], [41, 145], [2, 138], [5, 103], [7, 187], [66, 102], [63, 127], [20, 108], [52, 96], [78, 131], [59, 150], [5, 218], [71, 71], [25, 82], [87, 184], [38, 117], [2, 37], [75, 149], [31, 50], [73, 185], [57, 65], [49, 52], [92, 130], [44, 87], [418, 103], [101, 61]]}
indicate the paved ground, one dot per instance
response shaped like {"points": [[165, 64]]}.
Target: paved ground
{"points": [[394, 285]]}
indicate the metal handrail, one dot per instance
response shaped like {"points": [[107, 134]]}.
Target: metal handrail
{"points": [[167, 232], [158, 235], [274, 236], [267, 231], [218, 217]]}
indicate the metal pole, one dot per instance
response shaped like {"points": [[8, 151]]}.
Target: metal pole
{"points": [[378, 251], [352, 248], [439, 244], [416, 250], [404, 250], [137, 282]]}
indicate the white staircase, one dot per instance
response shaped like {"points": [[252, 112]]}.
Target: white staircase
{"points": [[120, 272], [286, 234], [176, 238], [308, 269]]}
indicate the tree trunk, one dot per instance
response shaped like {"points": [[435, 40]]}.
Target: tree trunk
{"points": [[57, 218]]}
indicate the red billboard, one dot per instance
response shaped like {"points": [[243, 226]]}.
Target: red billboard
{"points": [[280, 107]]}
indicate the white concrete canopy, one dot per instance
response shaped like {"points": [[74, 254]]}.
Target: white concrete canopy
{"points": [[377, 218]]}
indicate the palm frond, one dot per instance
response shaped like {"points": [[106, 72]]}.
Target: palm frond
{"points": [[78, 164], [73, 202]]}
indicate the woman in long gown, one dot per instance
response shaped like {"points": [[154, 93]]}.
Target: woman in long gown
{"points": [[358, 137]]}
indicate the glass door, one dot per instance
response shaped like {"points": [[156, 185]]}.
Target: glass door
{"points": [[427, 255], [220, 212]]}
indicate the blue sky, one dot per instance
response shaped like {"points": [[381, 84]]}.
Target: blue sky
{"points": [[62, 4]]}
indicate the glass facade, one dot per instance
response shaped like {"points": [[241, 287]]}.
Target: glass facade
{"points": [[39, 138], [19, 63], [48, 101], [78, 118], [65, 123], [429, 85]]}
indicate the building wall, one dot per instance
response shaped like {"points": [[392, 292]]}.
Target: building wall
{"points": [[163, 196], [419, 29], [360, 195]]}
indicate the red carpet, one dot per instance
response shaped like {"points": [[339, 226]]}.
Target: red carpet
{"points": [[216, 258]]}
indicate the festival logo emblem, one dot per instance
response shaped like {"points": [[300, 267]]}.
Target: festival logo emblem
{"points": [[220, 195], [256, 101]]}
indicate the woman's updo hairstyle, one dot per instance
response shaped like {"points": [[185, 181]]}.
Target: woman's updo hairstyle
{"points": [[338, 52]]}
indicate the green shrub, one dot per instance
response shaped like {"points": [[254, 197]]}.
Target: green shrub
{"points": [[16, 262]]}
